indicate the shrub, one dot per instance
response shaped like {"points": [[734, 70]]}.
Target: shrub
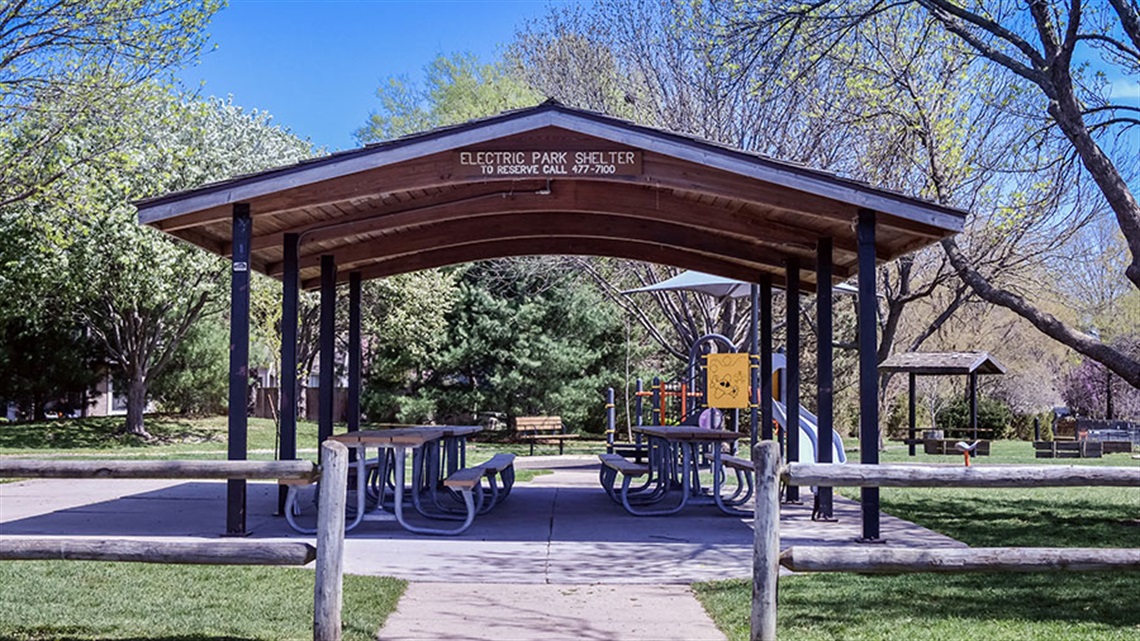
{"points": [[994, 417]]}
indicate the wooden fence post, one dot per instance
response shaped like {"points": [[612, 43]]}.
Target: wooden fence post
{"points": [[327, 596], [766, 545]]}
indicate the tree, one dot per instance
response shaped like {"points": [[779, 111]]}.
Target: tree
{"points": [[63, 62], [1041, 50], [525, 341], [195, 382], [667, 65], [457, 88], [46, 361], [1091, 390], [140, 292]]}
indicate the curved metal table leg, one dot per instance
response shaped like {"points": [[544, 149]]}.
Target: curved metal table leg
{"points": [[718, 467], [468, 500]]}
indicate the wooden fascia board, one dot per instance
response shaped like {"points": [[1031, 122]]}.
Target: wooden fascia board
{"points": [[253, 187], [768, 171], [739, 163]]}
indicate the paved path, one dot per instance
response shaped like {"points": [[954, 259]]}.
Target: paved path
{"points": [[567, 561]]}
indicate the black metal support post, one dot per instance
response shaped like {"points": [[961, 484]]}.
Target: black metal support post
{"points": [[754, 368], [355, 351], [638, 406], [611, 420], [792, 370], [287, 383], [655, 411], [328, 348], [825, 371], [1037, 428], [912, 433], [974, 404], [868, 370], [239, 365], [766, 358]]}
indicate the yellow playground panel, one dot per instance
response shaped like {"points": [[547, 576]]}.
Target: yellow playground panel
{"points": [[728, 381]]}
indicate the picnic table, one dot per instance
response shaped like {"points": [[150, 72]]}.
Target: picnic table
{"points": [[674, 464], [429, 448]]}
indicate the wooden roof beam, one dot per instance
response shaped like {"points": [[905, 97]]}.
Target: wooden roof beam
{"points": [[562, 224], [502, 248]]}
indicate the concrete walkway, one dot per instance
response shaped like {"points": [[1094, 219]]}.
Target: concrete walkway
{"points": [[567, 561]]}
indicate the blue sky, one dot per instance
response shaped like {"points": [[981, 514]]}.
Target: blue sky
{"points": [[315, 64]]}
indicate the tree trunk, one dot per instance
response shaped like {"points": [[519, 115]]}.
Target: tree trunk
{"points": [[38, 411], [1119, 362], [136, 406]]}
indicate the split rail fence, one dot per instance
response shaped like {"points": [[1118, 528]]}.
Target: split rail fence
{"points": [[767, 558], [328, 553]]}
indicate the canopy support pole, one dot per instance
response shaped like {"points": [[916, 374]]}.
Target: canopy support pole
{"points": [[754, 366], [328, 346], [792, 369], [766, 358], [239, 365], [287, 383], [868, 370], [825, 371], [912, 433], [974, 404], [355, 352]]}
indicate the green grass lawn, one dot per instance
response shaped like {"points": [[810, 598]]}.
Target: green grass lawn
{"points": [[203, 438], [76, 600], [1055, 606], [84, 600], [173, 437]]}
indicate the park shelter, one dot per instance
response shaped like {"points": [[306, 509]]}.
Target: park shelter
{"points": [[968, 364], [545, 180]]}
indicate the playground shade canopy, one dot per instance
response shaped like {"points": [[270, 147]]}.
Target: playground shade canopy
{"points": [[691, 281], [715, 286], [550, 180]]}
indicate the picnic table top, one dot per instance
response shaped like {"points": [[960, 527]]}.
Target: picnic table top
{"points": [[448, 430], [413, 436], [687, 433]]}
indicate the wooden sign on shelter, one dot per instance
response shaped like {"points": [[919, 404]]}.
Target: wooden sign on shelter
{"points": [[728, 381]]}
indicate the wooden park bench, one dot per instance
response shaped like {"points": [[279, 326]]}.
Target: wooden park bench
{"points": [[541, 429], [1068, 449], [1117, 447]]}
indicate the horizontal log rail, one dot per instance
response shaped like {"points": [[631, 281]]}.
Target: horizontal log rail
{"points": [[888, 560], [846, 475], [132, 550], [116, 469], [328, 554]]}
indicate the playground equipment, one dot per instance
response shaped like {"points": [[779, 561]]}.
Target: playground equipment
{"points": [[683, 401], [809, 423], [966, 448]]}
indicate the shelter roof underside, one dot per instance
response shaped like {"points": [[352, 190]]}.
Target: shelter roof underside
{"points": [[429, 210]]}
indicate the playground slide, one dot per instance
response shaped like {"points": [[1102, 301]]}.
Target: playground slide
{"points": [[808, 434]]}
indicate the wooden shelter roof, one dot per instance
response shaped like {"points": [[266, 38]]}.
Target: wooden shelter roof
{"points": [[550, 180], [936, 363]]}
